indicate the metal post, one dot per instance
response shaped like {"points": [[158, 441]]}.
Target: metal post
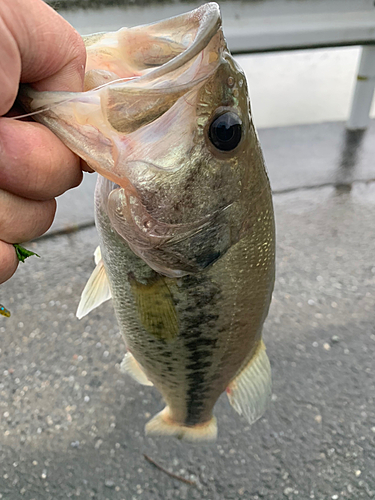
{"points": [[364, 90]]}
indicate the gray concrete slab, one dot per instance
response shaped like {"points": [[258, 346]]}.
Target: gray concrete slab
{"points": [[71, 425], [314, 155]]}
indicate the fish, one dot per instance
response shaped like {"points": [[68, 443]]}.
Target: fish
{"points": [[4, 311], [184, 213]]}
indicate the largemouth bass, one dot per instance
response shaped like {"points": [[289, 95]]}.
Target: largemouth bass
{"points": [[183, 210]]}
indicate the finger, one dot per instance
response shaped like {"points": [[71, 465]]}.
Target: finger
{"points": [[37, 45], [56, 56], [34, 163], [22, 219], [10, 66], [8, 261]]}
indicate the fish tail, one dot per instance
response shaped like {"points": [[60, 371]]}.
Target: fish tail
{"points": [[163, 425]]}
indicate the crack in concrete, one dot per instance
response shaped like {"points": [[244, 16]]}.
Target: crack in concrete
{"points": [[345, 186]]}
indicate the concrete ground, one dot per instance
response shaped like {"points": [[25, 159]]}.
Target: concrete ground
{"points": [[71, 425]]}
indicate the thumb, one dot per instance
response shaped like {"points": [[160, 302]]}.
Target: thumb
{"points": [[40, 47]]}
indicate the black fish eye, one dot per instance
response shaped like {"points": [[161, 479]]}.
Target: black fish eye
{"points": [[226, 131]]}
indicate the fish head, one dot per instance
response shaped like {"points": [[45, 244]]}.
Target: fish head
{"points": [[166, 118], [191, 161], [184, 166]]}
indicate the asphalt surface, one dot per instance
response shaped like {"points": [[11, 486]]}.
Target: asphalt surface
{"points": [[71, 425]]}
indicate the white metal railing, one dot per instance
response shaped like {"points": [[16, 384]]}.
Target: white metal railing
{"points": [[359, 117]]}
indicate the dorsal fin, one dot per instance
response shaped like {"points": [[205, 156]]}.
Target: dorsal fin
{"points": [[96, 290]]}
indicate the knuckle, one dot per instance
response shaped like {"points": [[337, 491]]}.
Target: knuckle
{"points": [[46, 217], [9, 91], [8, 261], [44, 213]]}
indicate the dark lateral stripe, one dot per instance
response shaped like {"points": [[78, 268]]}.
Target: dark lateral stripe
{"points": [[199, 342], [201, 350]]}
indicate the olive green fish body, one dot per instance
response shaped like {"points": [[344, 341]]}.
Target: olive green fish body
{"points": [[220, 313]]}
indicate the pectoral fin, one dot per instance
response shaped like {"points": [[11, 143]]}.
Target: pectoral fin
{"points": [[156, 308], [96, 290], [250, 391]]}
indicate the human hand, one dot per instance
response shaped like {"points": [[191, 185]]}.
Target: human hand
{"points": [[37, 46]]}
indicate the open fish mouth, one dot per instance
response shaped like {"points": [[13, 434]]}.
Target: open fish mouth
{"points": [[159, 63], [158, 54], [134, 83]]}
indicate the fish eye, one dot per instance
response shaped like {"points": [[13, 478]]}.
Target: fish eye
{"points": [[226, 131]]}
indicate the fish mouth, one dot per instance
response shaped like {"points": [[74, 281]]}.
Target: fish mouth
{"points": [[149, 114], [197, 28], [156, 50], [152, 75], [168, 60]]}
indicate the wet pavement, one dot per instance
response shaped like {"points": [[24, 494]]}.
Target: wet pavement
{"points": [[71, 425]]}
